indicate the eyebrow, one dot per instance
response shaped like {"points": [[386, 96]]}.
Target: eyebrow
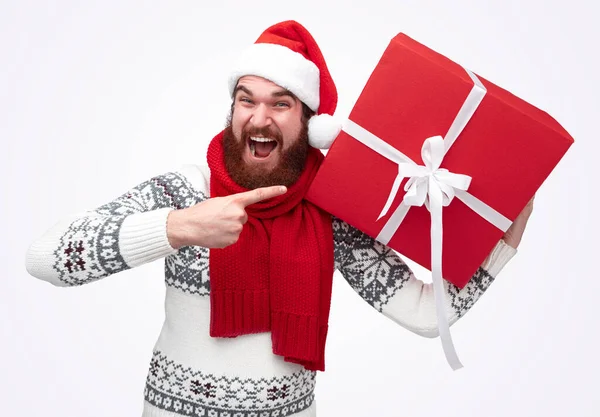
{"points": [[284, 93], [242, 88]]}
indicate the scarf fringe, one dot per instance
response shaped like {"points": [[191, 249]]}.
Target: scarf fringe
{"points": [[240, 312], [300, 338]]}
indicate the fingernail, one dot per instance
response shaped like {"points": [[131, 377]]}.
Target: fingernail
{"points": [[283, 189]]}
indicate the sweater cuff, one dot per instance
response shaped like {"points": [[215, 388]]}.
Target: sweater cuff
{"points": [[143, 237], [500, 255]]}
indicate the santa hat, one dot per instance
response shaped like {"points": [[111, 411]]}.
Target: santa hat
{"points": [[288, 55]]}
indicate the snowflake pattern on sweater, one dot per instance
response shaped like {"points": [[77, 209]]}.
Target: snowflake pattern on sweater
{"points": [[89, 251], [174, 387]]}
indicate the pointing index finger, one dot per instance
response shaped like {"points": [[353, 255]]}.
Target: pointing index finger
{"points": [[259, 194]]}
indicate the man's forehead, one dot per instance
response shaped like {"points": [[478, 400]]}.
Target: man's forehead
{"points": [[255, 79], [253, 82]]}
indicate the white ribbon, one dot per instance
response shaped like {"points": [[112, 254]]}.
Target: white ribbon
{"points": [[436, 188]]}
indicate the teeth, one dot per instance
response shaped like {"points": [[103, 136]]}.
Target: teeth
{"points": [[257, 139], [252, 148]]}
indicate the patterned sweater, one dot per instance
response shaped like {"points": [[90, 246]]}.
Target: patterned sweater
{"points": [[190, 373]]}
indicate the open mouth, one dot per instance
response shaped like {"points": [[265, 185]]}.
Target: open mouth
{"points": [[260, 147]]}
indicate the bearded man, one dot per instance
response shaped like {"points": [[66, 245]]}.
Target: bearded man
{"points": [[248, 261]]}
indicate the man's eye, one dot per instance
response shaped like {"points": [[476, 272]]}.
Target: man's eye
{"points": [[282, 104], [245, 100]]}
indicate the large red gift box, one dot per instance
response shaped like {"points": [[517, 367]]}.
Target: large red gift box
{"points": [[508, 148]]}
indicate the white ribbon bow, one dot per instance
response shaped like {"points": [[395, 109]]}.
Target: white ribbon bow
{"points": [[429, 181]]}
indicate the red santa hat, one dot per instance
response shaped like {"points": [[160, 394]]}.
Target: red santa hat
{"points": [[287, 54]]}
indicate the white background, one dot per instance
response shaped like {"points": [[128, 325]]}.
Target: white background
{"points": [[97, 96]]}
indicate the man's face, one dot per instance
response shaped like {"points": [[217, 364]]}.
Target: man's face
{"points": [[266, 142]]}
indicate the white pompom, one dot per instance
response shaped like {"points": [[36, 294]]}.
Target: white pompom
{"points": [[322, 130]]}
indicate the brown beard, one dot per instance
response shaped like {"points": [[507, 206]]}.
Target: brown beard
{"points": [[286, 173]]}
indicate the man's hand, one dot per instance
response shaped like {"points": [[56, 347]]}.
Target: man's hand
{"points": [[513, 235], [216, 222]]}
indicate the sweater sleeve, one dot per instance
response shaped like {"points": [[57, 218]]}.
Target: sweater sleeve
{"points": [[129, 231], [384, 281]]}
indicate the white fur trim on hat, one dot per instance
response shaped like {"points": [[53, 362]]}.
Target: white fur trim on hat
{"points": [[284, 67], [322, 130]]}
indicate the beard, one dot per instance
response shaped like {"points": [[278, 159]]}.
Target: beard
{"points": [[288, 170]]}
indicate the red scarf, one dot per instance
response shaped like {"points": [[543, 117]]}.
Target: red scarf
{"points": [[277, 277]]}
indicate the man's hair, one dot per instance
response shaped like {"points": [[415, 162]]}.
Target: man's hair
{"points": [[307, 113]]}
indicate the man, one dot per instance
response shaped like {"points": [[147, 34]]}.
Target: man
{"points": [[249, 340]]}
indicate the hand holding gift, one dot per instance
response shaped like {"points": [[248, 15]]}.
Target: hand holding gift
{"points": [[513, 235]]}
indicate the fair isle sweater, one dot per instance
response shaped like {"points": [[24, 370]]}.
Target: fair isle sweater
{"points": [[191, 373]]}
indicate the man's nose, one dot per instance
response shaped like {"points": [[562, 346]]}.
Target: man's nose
{"points": [[261, 116]]}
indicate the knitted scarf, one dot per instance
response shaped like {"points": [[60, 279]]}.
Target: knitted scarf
{"points": [[277, 277]]}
